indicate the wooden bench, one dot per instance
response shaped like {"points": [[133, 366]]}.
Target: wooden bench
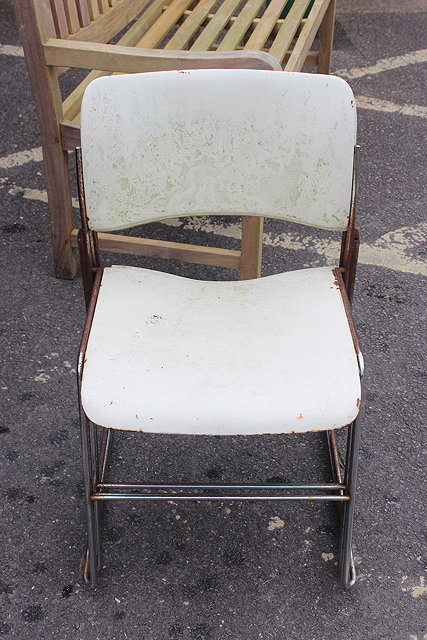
{"points": [[154, 35]]}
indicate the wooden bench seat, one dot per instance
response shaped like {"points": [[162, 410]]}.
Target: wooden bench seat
{"points": [[153, 35]]}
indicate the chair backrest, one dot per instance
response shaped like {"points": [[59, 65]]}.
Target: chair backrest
{"points": [[227, 142]]}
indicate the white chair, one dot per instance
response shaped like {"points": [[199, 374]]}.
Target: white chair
{"points": [[166, 354]]}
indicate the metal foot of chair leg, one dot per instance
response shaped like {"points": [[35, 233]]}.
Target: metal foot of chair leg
{"points": [[349, 574], [85, 566], [352, 572]]}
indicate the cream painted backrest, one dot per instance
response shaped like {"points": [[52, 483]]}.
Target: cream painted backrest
{"points": [[238, 142]]}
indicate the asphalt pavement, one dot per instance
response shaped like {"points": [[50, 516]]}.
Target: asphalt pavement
{"points": [[224, 571]]}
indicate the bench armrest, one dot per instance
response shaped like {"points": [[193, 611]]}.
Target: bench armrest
{"points": [[111, 57]]}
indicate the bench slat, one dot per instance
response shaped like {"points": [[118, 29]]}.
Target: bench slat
{"points": [[288, 30], [214, 27], [72, 15], [194, 20], [143, 23], [265, 25], [306, 37], [83, 11], [240, 25], [105, 26], [152, 248], [103, 6], [163, 25], [59, 18], [71, 104], [93, 8]]}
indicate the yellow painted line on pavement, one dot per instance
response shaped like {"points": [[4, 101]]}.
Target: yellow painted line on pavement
{"points": [[21, 157], [11, 50], [385, 64], [380, 7], [384, 106], [35, 194], [389, 251]]}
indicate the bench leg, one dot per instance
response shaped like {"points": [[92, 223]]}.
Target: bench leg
{"points": [[47, 97], [326, 36], [251, 247], [60, 209]]}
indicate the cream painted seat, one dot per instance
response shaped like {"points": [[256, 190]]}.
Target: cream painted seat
{"points": [[172, 355], [166, 354]]}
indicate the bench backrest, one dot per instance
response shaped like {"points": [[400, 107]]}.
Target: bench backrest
{"points": [[87, 20], [228, 142]]}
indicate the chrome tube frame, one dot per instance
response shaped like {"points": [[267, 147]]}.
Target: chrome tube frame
{"points": [[98, 491]]}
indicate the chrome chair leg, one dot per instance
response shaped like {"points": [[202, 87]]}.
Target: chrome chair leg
{"points": [[90, 475], [346, 562], [100, 471], [93, 434], [347, 567]]}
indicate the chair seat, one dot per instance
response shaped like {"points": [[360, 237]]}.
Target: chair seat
{"points": [[168, 354]]}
